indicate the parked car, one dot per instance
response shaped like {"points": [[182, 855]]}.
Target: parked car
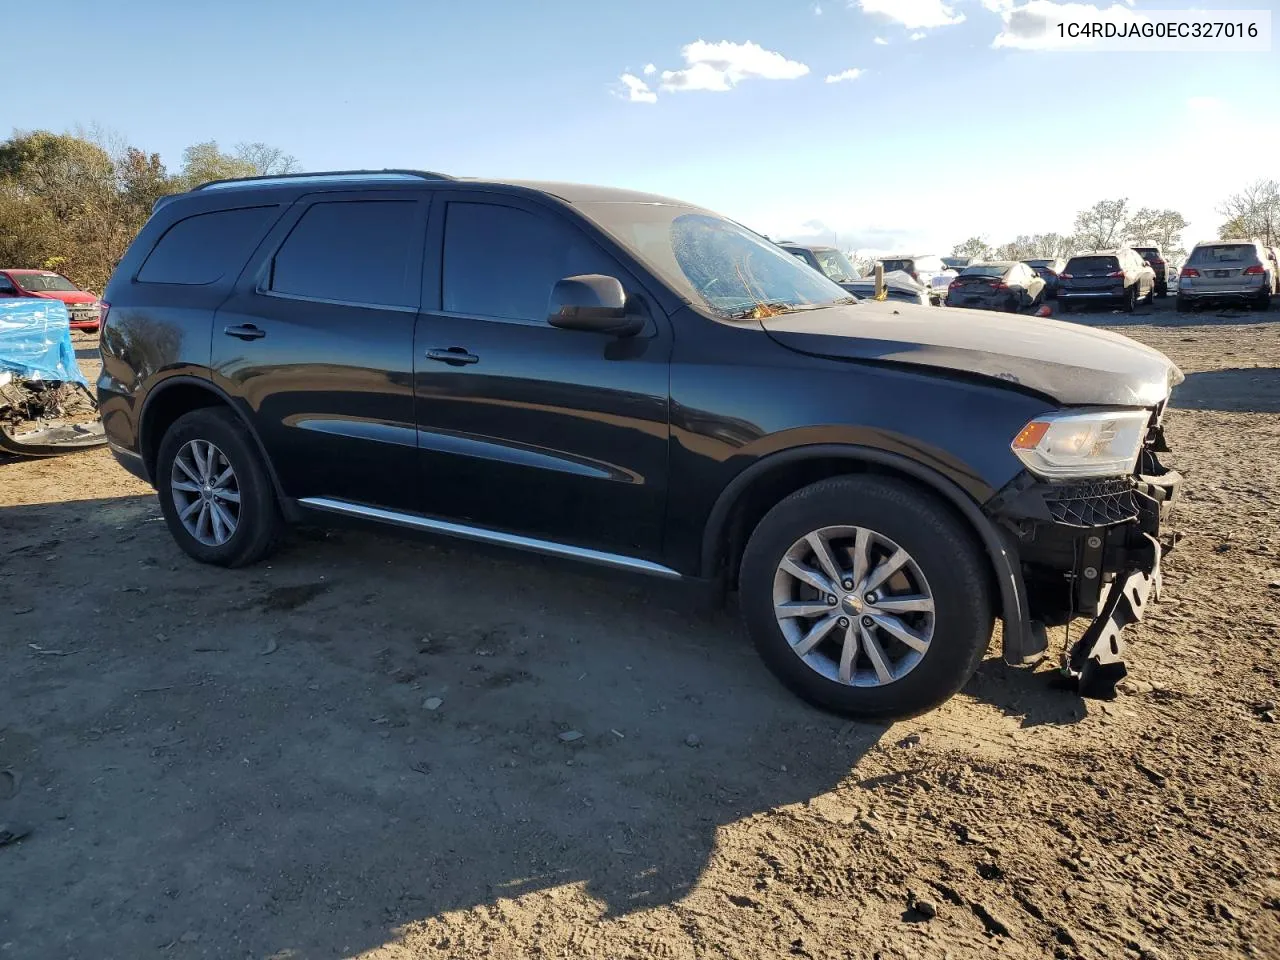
{"points": [[921, 267], [1004, 285], [640, 383], [828, 261], [939, 283], [83, 308], [1117, 277], [1227, 271], [1047, 268], [1155, 259], [956, 263], [898, 286]]}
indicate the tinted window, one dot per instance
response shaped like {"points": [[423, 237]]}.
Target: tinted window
{"points": [[892, 265], [7, 285], [1079, 265], [1147, 253], [207, 247], [355, 252], [502, 262]]}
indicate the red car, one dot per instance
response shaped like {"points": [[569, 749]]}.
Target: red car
{"points": [[83, 307]]}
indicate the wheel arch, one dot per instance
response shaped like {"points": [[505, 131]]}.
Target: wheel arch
{"points": [[179, 395], [755, 490]]}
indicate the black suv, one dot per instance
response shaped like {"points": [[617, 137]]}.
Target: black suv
{"points": [[637, 382], [1155, 258]]}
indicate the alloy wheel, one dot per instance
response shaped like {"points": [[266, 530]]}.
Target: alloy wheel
{"points": [[206, 492], [854, 606]]}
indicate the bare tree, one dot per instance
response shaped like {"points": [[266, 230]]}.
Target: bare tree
{"points": [[1254, 212], [1103, 225], [266, 159]]}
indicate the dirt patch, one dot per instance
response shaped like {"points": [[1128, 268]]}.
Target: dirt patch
{"points": [[356, 749]]}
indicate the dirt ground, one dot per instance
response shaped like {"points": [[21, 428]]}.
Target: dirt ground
{"points": [[246, 763]]}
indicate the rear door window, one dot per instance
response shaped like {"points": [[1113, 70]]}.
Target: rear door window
{"points": [[501, 262], [207, 247], [352, 251]]}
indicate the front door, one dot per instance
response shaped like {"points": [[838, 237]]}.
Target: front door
{"points": [[316, 346], [524, 428]]}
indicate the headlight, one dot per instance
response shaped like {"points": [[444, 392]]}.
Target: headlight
{"points": [[1094, 443]]}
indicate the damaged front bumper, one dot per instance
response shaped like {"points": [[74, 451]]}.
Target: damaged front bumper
{"points": [[1088, 550]]}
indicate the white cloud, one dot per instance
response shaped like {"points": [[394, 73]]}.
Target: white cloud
{"points": [[817, 9], [881, 42], [1033, 25], [650, 69], [637, 90], [916, 36], [853, 73], [914, 14], [721, 66]]}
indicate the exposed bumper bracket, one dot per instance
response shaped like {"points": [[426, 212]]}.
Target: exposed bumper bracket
{"points": [[1096, 660]]}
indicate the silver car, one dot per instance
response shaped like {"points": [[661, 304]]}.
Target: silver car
{"points": [[1227, 270], [922, 267]]}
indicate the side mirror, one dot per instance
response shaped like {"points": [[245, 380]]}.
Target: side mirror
{"points": [[594, 303]]}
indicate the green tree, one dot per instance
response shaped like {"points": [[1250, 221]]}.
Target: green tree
{"points": [[1253, 213], [1102, 226], [202, 162], [975, 247], [1162, 228]]}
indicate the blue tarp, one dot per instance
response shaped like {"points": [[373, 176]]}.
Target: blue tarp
{"points": [[35, 340]]}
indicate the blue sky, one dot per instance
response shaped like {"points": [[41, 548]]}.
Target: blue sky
{"points": [[937, 138]]}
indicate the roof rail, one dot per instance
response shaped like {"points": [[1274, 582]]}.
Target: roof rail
{"points": [[328, 175]]}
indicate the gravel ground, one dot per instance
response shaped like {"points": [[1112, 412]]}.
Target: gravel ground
{"points": [[396, 749]]}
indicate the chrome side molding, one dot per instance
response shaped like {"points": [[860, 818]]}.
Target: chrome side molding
{"points": [[462, 531]]}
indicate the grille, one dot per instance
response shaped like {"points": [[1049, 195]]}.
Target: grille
{"points": [[1097, 504]]}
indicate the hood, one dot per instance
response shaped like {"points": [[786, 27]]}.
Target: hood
{"points": [[1071, 364], [66, 296]]}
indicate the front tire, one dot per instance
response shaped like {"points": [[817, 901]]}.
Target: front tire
{"points": [[1130, 299], [215, 493], [912, 615]]}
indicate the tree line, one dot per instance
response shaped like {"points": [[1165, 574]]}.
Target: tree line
{"points": [[73, 202], [1253, 213]]}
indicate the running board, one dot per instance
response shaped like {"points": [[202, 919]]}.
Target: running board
{"points": [[461, 531]]}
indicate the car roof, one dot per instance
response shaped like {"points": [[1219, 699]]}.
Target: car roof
{"points": [[803, 246], [1098, 253], [416, 179], [993, 263]]}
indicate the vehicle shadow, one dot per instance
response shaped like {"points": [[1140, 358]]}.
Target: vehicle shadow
{"points": [[368, 731], [1238, 390]]}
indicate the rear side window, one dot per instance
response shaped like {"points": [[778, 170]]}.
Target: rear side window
{"points": [[891, 265], [501, 262], [1092, 265], [1224, 251], [207, 247], [984, 270], [359, 251]]}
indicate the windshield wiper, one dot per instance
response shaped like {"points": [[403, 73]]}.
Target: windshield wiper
{"points": [[770, 308]]}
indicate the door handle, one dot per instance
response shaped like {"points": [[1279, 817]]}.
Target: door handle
{"points": [[245, 331], [454, 356]]}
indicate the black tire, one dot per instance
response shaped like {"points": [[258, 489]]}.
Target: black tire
{"points": [[1162, 290], [947, 554], [1262, 301], [1182, 305], [259, 524], [1065, 306], [1130, 299]]}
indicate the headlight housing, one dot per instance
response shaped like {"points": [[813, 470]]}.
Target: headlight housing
{"points": [[1082, 443]]}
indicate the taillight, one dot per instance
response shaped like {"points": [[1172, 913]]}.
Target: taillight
{"points": [[1189, 272], [999, 285], [1065, 276], [1254, 271], [1116, 274]]}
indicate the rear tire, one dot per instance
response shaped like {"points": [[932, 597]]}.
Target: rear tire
{"points": [[1182, 305], [1130, 299], [952, 572], [1262, 301], [256, 515], [1162, 290], [1065, 306]]}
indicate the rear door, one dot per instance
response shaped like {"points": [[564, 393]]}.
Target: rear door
{"points": [[1094, 274], [315, 345], [524, 428]]}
